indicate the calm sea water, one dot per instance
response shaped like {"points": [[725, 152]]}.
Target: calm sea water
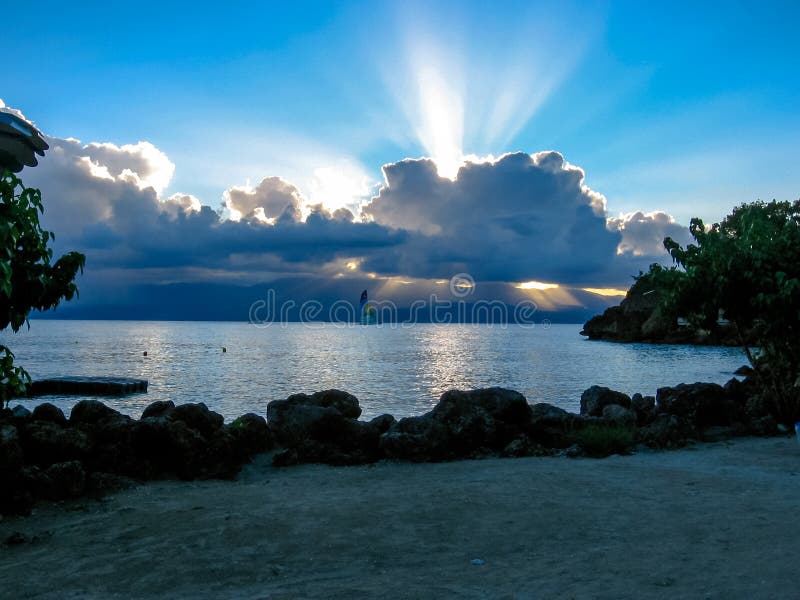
{"points": [[401, 371]]}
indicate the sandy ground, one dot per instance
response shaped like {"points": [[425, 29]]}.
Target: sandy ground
{"points": [[713, 521]]}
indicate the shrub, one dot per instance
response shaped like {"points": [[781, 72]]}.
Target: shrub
{"points": [[603, 440]]}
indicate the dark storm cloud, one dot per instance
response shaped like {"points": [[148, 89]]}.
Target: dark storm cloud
{"points": [[518, 218], [112, 213]]}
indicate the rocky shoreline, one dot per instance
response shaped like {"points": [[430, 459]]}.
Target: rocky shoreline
{"points": [[45, 456], [640, 318]]}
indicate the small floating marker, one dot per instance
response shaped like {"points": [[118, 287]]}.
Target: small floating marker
{"points": [[224, 349]]}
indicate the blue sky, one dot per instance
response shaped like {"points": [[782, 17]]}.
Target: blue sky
{"points": [[668, 106], [682, 108]]}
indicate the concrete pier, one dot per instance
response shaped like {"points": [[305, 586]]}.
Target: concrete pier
{"points": [[87, 386]]}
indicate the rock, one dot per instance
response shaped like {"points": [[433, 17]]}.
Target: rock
{"points": [[45, 443], [343, 403], [67, 480], [198, 417], [91, 412], [596, 398], [323, 428], [551, 426], [418, 439], [36, 481], [158, 408], [462, 424], [49, 413], [666, 431], [251, 435], [644, 407], [20, 413], [166, 447], [383, 423], [112, 446], [484, 419], [524, 446], [763, 426], [700, 404], [10, 449], [640, 318], [719, 433], [618, 415]]}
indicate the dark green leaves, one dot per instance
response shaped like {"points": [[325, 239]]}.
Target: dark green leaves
{"points": [[29, 279]]}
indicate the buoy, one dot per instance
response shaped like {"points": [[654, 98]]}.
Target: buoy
{"points": [[224, 349], [144, 353]]}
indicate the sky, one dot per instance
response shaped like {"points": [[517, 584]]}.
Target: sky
{"points": [[333, 145]]}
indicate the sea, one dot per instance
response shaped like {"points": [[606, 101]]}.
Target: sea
{"points": [[235, 368]]}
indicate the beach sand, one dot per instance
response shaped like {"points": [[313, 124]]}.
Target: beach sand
{"points": [[712, 521]]}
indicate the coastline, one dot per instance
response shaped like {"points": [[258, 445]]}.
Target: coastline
{"points": [[713, 520]]}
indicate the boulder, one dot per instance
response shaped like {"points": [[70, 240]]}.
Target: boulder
{"points": [[383, 423], [250, 434], [483, 419], [596, 398], [418, 439], [524, 446], [323, 428], [92, 412], [619, 415], [49, 413], [20, 413], [45, 443], [700, 404], [343, 403], [67, 480], [462, 424], [666, 431], [10, 449], [112, 446], [166, 447], [158, 408], [551, 426], [198, 417], [644, 407], [763, 426]]}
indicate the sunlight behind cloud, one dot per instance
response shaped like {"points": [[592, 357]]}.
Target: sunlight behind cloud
{"points": [[459, 99], [536, 285], [605, 291], [441, 129], [343, 185]]}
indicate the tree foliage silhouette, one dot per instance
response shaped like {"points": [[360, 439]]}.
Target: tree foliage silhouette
{"points": [[29, 279]]}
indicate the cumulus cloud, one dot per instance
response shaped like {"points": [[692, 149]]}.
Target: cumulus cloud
{"points": [[518, 218], [515, 218], [643, 233], [96, 201], [269, 200]]}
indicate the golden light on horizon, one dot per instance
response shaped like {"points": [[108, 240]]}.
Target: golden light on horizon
{"points": [[605, 291], [536, 285]]}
